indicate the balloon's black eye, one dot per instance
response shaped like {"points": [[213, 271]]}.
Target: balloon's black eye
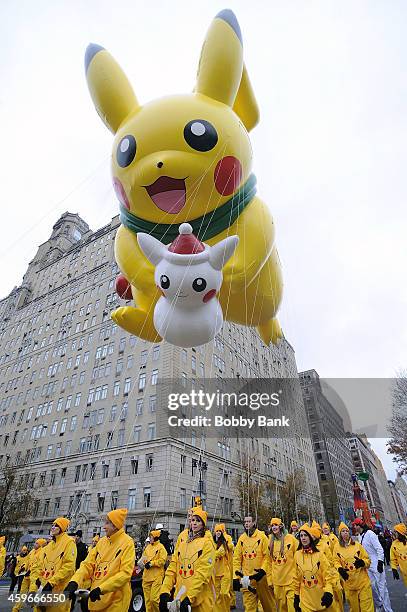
{"points": [[200, 135], [164, 281], [126, 151], [199, 284]]}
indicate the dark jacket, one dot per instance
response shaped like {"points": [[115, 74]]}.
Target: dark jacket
{"points": [[81, 553]]}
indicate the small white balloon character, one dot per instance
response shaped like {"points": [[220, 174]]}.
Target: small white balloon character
{"points": [[189, 275]]}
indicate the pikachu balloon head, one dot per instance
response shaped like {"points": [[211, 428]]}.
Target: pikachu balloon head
{"points": [[188, 159], [180, 157]]}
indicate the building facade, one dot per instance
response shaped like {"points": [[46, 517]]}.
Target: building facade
{"points": [[331, 450], [79, 401]]}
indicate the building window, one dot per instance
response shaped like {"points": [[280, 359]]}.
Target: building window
{"points": [[136, 433], [101, 501], [139, 405], [127, 386], [154, 377], [147, 497], [153, 403], [131, 501], [142, 381], [120, 437], [115, 499], [151, 431], [149, 462], [156, 352], [134, 465], [183, 498], [183, 464], [117, 467], [105, 470]]}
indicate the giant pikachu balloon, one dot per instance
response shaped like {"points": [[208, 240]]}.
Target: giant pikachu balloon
{"points": [[188, 158]]}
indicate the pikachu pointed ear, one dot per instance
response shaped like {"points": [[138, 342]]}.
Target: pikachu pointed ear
{"points": [[245, 105], [221, 62], [109, 87]]}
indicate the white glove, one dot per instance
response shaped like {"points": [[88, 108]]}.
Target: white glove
{"points": [[245, 582], [140, 563], [173, 606]]}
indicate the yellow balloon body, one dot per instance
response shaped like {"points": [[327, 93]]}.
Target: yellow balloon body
{"points": [[179, 158]]}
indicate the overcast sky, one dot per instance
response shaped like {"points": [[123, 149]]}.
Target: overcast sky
{"points": [[329, 152]]}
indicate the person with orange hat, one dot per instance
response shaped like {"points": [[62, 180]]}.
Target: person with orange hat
{"points": [[95, 540], [56, 564], [282, 549], [398, 553], [190, 571], [223, 561], [153, 562], [312, 584], [251, 562], [29, 566], [294, 529], [328, 536], [108, 567], [3, 553], [352, 562], [35, 562], [21, 569], [325, 546]]}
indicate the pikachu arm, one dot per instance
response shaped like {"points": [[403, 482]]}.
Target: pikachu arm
{"points": [[220, 552], [159, 559], [170, 577], [294, 586], [327, 574], [132, 262], [237, 558], [266, 564], [84, 573], [336, 557], [122, 577], [67, 567], [394, 561], [255, 229], [365, 557]]}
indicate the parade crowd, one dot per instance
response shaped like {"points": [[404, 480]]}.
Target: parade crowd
{"points": [[308, 569]]}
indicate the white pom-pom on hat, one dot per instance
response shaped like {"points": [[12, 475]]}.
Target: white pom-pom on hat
{"points": [[185, 228]]}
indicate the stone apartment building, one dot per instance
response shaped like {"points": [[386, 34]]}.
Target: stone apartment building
{"points": [[331, 450], [79, 401]]}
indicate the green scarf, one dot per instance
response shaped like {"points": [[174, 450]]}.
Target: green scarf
{"points": [[205, 227]]}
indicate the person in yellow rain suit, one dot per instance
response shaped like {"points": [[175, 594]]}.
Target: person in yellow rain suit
{"points": [[190, 572], [231, 547], [325, 546], [56, 564], [153, 561], [398, 553], [352, 562], [21, 567], [2, 555], [328, 536], [95, 540], [223, 562], [30, 566], [282, 548], [250, 565], [312, 584], [35, 563], [107, 569], [294, 529]]}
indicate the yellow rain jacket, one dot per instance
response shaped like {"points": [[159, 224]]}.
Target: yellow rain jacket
{"points": [[192, 565], [156, 555], [398, 558], [57, 565], [312, 578], [21, 565], [35, 567], [109, 566], [251, 553], [282, 564], [344, 556]]}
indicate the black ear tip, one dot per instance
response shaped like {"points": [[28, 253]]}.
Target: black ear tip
{"points": [[90, 53], [230, 18]]}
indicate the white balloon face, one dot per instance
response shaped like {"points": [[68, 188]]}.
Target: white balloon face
{"points": [[189, 285]]}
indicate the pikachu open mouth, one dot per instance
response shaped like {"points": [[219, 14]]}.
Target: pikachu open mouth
{"points": [[168, 194]]}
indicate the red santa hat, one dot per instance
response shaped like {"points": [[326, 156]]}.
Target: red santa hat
{"points": [[186, 243]]}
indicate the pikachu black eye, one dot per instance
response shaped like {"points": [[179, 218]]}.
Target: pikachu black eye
{"points": [[199, 284], [164, 281], [200, 135], [126, 151]]}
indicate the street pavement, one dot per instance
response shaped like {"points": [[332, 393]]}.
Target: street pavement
{"points": [[396, 588]]}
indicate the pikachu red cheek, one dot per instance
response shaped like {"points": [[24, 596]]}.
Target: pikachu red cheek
{"points": [[120, 193], [227, 175]]}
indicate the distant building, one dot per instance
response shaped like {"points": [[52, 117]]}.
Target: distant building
{"points": [[331, 450], [79, 404], [400, 512]]}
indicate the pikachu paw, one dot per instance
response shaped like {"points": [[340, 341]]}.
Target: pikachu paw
{"points": [[270, 332], [136, 322]]}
